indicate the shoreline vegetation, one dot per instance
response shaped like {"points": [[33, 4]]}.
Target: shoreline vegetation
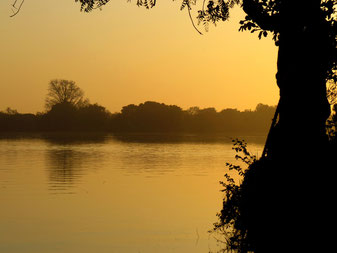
{"points": [[147, 117], [67, 110]]}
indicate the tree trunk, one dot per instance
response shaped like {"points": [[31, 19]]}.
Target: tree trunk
{"points": [[290, 197], [304, 107]]}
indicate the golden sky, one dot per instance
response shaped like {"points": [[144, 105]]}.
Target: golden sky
{"points": [[125, 54]]}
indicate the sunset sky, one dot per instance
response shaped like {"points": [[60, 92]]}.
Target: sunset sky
{"points": [[125, 54]]}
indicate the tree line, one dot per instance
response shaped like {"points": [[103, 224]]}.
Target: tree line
{"points": [[145, 117], [68, 110]]}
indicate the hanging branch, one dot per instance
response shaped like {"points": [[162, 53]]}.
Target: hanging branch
{"points": [[17, 9], [189, 13]]}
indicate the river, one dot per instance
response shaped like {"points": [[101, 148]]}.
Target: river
{"points": [[123, 194]]}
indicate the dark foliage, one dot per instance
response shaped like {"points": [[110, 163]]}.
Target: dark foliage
{"points": [[230, 226], [151, 117], [89, 5], [67, 117], [277, 207], [64, 92], [18, 122], [148, 117]]}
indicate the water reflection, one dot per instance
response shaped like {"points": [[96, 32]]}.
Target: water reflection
{"points": [[64, 138], [60, 138], [69, 138], [68, 164], [69, 157], [184, 138], [65, 168], [127, 197], [150, 158]]}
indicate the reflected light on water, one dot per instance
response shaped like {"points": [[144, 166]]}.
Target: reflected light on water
{"points": [[111, 195]]}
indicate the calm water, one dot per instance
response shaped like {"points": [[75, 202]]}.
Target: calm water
{"points": [[144, 194]]}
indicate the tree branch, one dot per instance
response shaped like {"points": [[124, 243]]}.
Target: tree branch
{"points": [[255, 10], [189, 13], [17, 9]]}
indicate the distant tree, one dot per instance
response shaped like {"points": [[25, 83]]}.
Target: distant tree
{"points": [[64, 91], [61, 117], [11, 120], [93, 117], [151, 117], [11, 111], [232, 120], [206, 120], [193, 110]]}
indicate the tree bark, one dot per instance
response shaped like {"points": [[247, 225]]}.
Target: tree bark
{"points": [[289, 194], [304, 107]]}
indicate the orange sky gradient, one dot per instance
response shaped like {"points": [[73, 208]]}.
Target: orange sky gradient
{"points": [[125, 54]]}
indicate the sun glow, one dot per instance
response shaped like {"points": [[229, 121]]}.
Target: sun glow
{"points": [[125, 54]]}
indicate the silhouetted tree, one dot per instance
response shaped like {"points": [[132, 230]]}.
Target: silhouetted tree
{"points": [[11, 111], [150, 117], [206, 120], [61, 117], [93, 117], [63, 92], [11, 120]]}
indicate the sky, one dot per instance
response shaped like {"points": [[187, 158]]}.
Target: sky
{"points": [[125, 54]]}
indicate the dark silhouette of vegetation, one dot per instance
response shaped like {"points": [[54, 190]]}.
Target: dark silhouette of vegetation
{"points": [[11, 120], [67, 117], [67, 110], [267, 208], [155, 117], [231, 227], [148, 117], [64, 92], [287, 204]]}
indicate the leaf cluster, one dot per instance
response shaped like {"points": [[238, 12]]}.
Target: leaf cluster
{"points": [[187, 3], [89, 5], [230, 225], [214, 12], [249, 25], [146, 3]]}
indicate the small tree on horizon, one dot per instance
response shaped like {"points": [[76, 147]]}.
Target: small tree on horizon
{"points": [[62, 91]]}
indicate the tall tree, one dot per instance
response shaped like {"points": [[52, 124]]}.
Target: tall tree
{"points": [[64, 91]]}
